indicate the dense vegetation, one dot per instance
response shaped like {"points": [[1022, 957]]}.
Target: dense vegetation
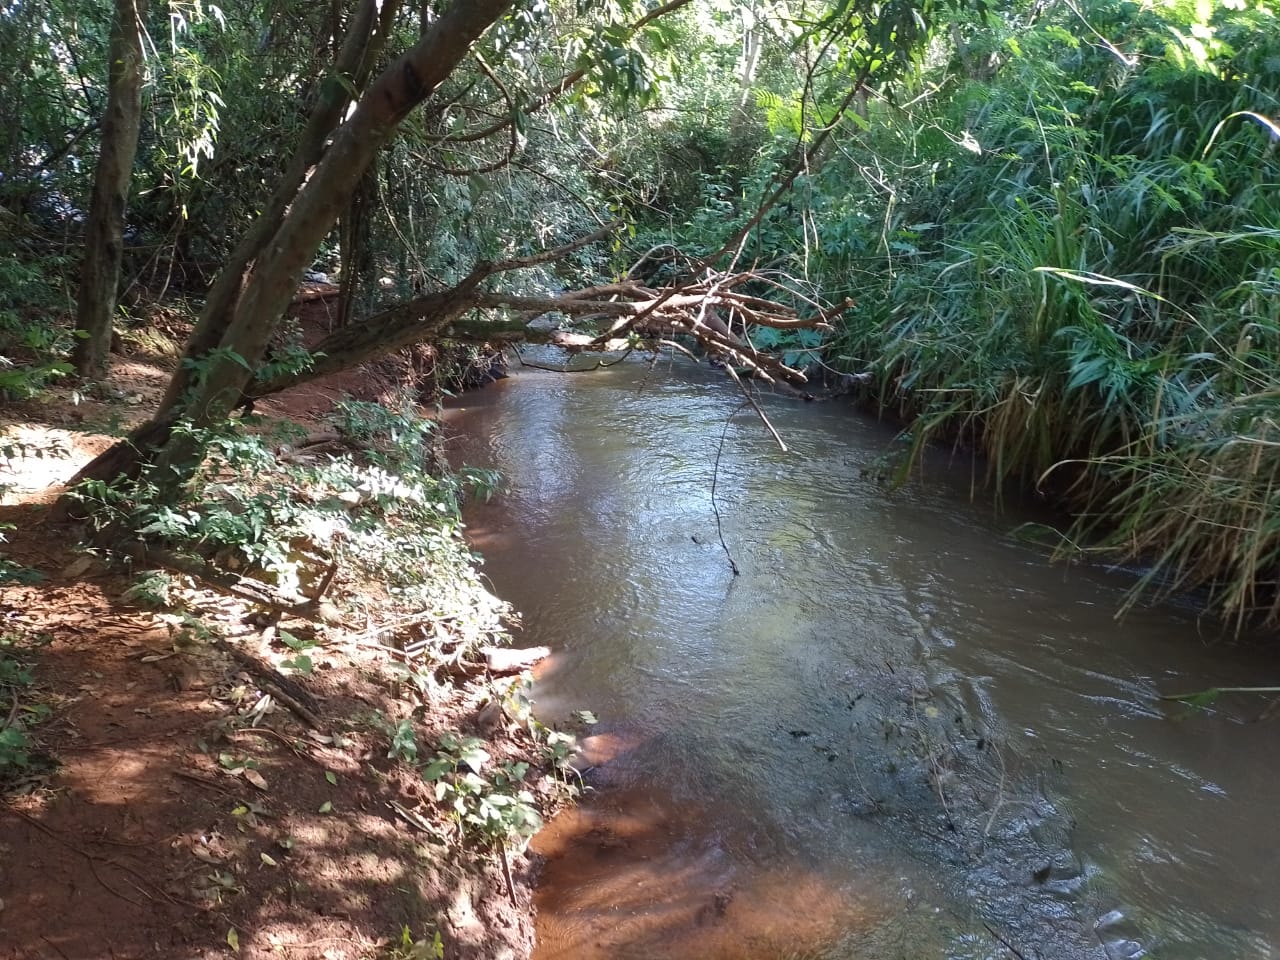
{"points": [[1058, 223], [1065, 245]]}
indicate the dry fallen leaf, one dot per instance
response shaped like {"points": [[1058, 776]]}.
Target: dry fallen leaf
{"points": [[257, 779]]}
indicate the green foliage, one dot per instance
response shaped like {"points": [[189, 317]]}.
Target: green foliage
{"points": [[1059, 225], [380, 512], [487, 800], [153, 589], [10, 570], [301, 661], [1202, 699], [556, 748], [34, 338], [421, 949], [17, 716], [404, 742], [1064, 255], [796, 347]]}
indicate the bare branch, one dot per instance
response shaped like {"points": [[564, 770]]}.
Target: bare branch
{"points": [[559, 88], [557, 253]]}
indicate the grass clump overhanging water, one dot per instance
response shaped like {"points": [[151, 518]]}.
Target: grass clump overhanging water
{"points": [[1063, 238], [1094, 305]]}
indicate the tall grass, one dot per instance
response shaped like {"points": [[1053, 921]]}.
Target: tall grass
{"points": [[1092, 299]]}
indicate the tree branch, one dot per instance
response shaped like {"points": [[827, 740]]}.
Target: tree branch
{"points": [[559, 88]]}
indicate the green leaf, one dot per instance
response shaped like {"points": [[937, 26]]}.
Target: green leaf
{"points": [[331, 777], [436, 769], [300, 664], [474, 755], [345, 83]]}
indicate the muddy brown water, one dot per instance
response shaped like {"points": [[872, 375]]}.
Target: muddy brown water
{"points": [[900, 732]]}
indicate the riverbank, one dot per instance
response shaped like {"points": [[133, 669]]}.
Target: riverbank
{"points": [[193, 768], [1090, 300]]}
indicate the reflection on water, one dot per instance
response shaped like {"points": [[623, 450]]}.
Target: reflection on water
{"points": [[755, 724], [646, 881]]}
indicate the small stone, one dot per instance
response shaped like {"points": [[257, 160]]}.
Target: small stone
{"points": [[490, 717], [79, 567]]}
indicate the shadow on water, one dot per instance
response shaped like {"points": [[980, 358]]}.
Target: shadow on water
{"points": [[900, 733]]}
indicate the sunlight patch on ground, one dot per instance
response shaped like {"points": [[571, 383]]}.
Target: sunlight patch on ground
{"points": [[34, 457]]}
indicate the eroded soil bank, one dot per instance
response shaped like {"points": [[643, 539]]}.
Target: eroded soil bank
{"points": [[182, 822], [193, 788]]}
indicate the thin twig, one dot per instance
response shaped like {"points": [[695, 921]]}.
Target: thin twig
{"points": [[556, 253], [202, 780], [935, 767], [678, 348], [290, 742], [999, 798], [756, 407], [1007, 945], [91, 859], [715, 476], [598, 365], [506, 873], [399, 623], [395, 652]]}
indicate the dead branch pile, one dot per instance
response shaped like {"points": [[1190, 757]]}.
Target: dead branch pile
{"points": [[716, 311]]}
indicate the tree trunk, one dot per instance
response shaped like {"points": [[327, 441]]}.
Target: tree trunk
{"points": [[383, 333], [270, 284], [365, 38], [353, 246], [104, 231], [752, 46], [256, 288]]}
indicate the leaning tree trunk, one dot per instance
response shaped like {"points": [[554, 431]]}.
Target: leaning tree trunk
{"points": [[271, 283], [104, 231], [267, 285], [365, 37]]}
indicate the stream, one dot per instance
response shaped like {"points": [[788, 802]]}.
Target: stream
{"points": [[900, 732]]}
